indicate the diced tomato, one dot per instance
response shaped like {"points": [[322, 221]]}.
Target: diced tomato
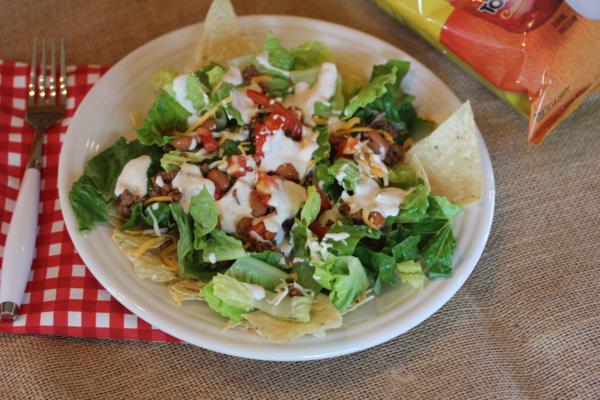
{"points": [[346, 148], [258, 98], [260, 138], [207, 139], [262, 231], [236, 166], [289, 121], [274, 122]]}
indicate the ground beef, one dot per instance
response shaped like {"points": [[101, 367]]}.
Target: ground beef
{"points": [[127, 201], [394, 155], [167, 188], [250, 72]]}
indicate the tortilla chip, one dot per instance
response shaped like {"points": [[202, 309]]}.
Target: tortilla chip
{"points": [[323, 316], [417, 166], [148, 265], [450, 157], [222, 38], [185, 290]]}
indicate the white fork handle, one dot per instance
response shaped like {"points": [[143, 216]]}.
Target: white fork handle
{"points": [[20, 242]]}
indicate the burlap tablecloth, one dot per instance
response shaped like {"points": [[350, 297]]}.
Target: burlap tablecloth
{"points": [[525, 325]]}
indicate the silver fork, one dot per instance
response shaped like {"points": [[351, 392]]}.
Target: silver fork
{"points": [[43, 111]]}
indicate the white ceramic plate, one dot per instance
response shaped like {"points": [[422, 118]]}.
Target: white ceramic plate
{"points": [[103, 117]]}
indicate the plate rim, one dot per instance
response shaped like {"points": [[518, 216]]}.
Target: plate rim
{"points": [[452, 285]]}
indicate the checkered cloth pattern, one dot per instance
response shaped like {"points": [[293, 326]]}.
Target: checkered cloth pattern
{"points": [[62, 297]]}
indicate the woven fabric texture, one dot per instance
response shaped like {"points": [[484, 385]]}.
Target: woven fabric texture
{"points": [[526, 325]]}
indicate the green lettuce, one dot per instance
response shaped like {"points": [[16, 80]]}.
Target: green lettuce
{"points": [[354, 233], [403, 176], [94, 190], [225, 310], [252, 270], [218, 246], [162, 78], [210, 75], [309, 54], [235, 294], [145, 216], [191, 265], [174, 159], [344, 277], [346, 173], [205, 214], [311, 207], [165, 116], [411, 273], [376, 88]]}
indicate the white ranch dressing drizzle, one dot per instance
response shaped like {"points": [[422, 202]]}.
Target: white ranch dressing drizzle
{"points": [[263, 59], [133, 177], [305, 96], [233, 76], [244, 104], [190, 182], [257, 291], [370, 197], [280, 149], [181, 96], [287, 199], [235, 205]]}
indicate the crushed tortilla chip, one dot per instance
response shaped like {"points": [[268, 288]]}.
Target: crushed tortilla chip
{"points": [[148, 265], [323, 316], [222, 37], [450, 157]]}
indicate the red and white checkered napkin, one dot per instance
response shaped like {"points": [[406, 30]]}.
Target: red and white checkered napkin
{"points": [[62, 296]]}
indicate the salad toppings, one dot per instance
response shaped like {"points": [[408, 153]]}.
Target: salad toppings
{"points": [[281, 185]]}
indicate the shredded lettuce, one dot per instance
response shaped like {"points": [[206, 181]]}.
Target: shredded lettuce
{"points": [[210, 75], [344, 277], [346, 173], [222, 308], [174, 159], [311, 207]]}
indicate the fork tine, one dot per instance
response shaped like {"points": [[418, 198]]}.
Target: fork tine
{"points": [[42, 76], [32, 75], [51, 79], [63, 74]]}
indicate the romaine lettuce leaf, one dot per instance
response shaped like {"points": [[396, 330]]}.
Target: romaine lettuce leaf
{"points": [[190, 261], [403, 176], [222, 308], [92, 192], [346, 173], [309, 54], [205, 214], [141, 216], [376, 88], [218, 246], [355, 233], [174, 159], [234, 293], [210, 75], [165, 115], [311, 207], [382, 264], [344, 277], [252, 270]]}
